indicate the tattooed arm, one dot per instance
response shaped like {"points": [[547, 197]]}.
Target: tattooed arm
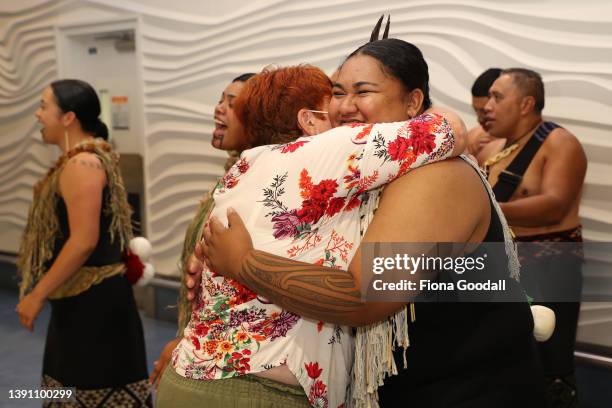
{"points": [[313, 291], [447, 203]]}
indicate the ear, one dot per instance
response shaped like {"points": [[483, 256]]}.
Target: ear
{"points": [[68, 118], [305, 122], [414, 102], [527, 105]]}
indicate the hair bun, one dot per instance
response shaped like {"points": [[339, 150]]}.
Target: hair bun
{"points": [[98, 129]]}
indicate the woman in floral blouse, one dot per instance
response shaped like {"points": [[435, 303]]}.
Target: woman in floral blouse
{"points": [[303, 214], [457, 354]]}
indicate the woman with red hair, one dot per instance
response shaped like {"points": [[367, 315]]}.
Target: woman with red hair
{"points": [[254, 351], [281, 105]]}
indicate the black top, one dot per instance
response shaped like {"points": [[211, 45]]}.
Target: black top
{"points": [[105, 253], [469, 354]]}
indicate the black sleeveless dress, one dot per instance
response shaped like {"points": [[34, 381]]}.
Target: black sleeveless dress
{"points": [[95, 340], [470, 355]]}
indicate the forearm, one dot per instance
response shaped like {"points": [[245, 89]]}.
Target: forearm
{"points": [[536, 211], [71, 257], [311, 291]]}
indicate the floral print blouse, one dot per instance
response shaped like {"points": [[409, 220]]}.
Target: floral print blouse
{"points": [[299, 200]]}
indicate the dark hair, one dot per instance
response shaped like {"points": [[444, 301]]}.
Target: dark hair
{"points": [[484, 81], [403, 61], [529, 83], [243, 77], [73, 95]]}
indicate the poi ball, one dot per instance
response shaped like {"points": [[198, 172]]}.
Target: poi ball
{"points": [[543, 322], [147, 275], [142, 247]]}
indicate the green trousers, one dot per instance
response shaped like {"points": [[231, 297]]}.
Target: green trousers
{"points": [[245, 391]]}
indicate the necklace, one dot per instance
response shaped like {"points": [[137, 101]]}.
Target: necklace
{"points": [[506, 152]]}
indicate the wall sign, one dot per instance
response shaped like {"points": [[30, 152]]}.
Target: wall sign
{"points": [[121, 113]]}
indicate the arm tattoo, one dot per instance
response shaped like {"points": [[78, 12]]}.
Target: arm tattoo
{"points": [[89, 164], [309, 290]]}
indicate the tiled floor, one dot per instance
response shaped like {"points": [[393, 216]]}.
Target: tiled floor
{"points": [[21, 351]]}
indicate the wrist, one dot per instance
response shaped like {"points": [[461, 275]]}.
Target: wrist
{"points": [[244, 261], [39, 294]]}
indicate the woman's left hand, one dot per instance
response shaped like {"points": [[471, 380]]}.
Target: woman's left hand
{"points": [[224, 248], [28, 309]]}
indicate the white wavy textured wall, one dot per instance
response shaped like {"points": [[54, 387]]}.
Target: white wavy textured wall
{"points": [[27, 63], [188, 57]]}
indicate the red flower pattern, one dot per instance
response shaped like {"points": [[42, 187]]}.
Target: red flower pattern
{"points": [[334, 206], [313, 370], [292, 147], [398, 149], [318, 388], [242, 295], [324, 190], [237, 362], [231, 178], [319, 195], [364, 132], [201, 330], [422, 140], [242, 165], [305, 184], [318, 394], [195, 342], [354, 202], [311, 211], [230, 182]]}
